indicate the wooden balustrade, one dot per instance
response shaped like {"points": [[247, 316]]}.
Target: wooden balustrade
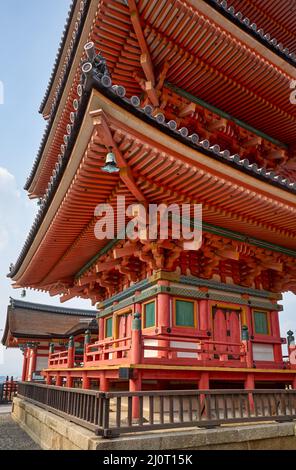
{"points": [[174, 348], [114, 351], [110, 414], [60, 360]]}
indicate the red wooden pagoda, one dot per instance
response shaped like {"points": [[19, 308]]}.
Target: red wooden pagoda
{"points": [[191, 99]]}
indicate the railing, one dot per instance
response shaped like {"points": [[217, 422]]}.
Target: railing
{"points": [[114, 413], [8, 390], [58, 360], [188, 350], [108, 350]]}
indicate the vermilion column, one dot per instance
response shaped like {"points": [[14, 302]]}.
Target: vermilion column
{"points": [[204, 315], [136, 341], [163, 308], [204, 381], [163, 317], [58, 380], [85, 381], [69, 380], [275, 327], [250, 385], [203, 384], [135, 385], [34, 361], [104, 383], [71, 352], [24, 371], [101, 329]]}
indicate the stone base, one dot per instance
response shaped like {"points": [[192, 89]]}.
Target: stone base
{"points": [[54, 433]]}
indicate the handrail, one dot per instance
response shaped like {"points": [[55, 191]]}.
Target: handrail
{"points": [[110, 414]]}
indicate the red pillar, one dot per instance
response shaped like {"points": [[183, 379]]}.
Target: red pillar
{"points": [[101, 329], [163, 317], [163, 308], [69, 380], [34, 361], [204, 381], [136, 342], [85, 381], [58, 380], [104, 383], [24, 371], [250, 385], [135, 385], [71, 352], [203, 384], [204, 315], [275, 329]]}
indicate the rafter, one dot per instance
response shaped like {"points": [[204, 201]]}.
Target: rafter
{"points": [[104, 132]]}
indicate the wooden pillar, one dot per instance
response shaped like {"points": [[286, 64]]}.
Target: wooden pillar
{"points": [[58, 380], [48, 379], [85, 381], [135, 385], [247, 346], [104, 383], [101, 329], [136, 346], [24, 371], [33, 360], [71, 352], [87, 337], [204, 381], [275, 329], [163, 317], [250, 385], [69, 380], [204, 315], [203, 384]]}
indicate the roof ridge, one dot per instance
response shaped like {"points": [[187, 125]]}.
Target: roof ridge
{"points": [[15, 303]]}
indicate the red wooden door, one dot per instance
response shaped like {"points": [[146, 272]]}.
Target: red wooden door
{"points": [[226, 329], [121, 326]]}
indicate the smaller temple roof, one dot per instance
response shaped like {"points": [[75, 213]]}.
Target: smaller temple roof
{"points": [[80, 327], [30, 320]]}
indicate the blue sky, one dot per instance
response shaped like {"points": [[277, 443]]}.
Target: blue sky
{"points": [[30, 33]]}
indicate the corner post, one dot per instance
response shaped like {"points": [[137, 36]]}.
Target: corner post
{"points": [[87, 337], [71, 352]]}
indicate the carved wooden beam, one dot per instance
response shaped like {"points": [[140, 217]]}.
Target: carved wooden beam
{"points": [[104, 132], [145, 59]]}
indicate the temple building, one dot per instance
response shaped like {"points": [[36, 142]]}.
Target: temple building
{"points": [[170, 102], [39, 329]]}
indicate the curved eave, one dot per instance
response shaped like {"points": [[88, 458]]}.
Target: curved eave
{"points": [[145, 129], [253, 33], [276, 17], [122, 52], [62, 100], [59, 62]]}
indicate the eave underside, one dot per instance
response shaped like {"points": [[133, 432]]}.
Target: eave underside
{"points": [[164, 171]]}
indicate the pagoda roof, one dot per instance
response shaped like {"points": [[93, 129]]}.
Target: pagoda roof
{"points": [[229, 70], [38, 321], [65, 220], [275, 18]]}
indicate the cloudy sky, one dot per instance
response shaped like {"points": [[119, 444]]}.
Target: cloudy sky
{"points": [[30, 32]]}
